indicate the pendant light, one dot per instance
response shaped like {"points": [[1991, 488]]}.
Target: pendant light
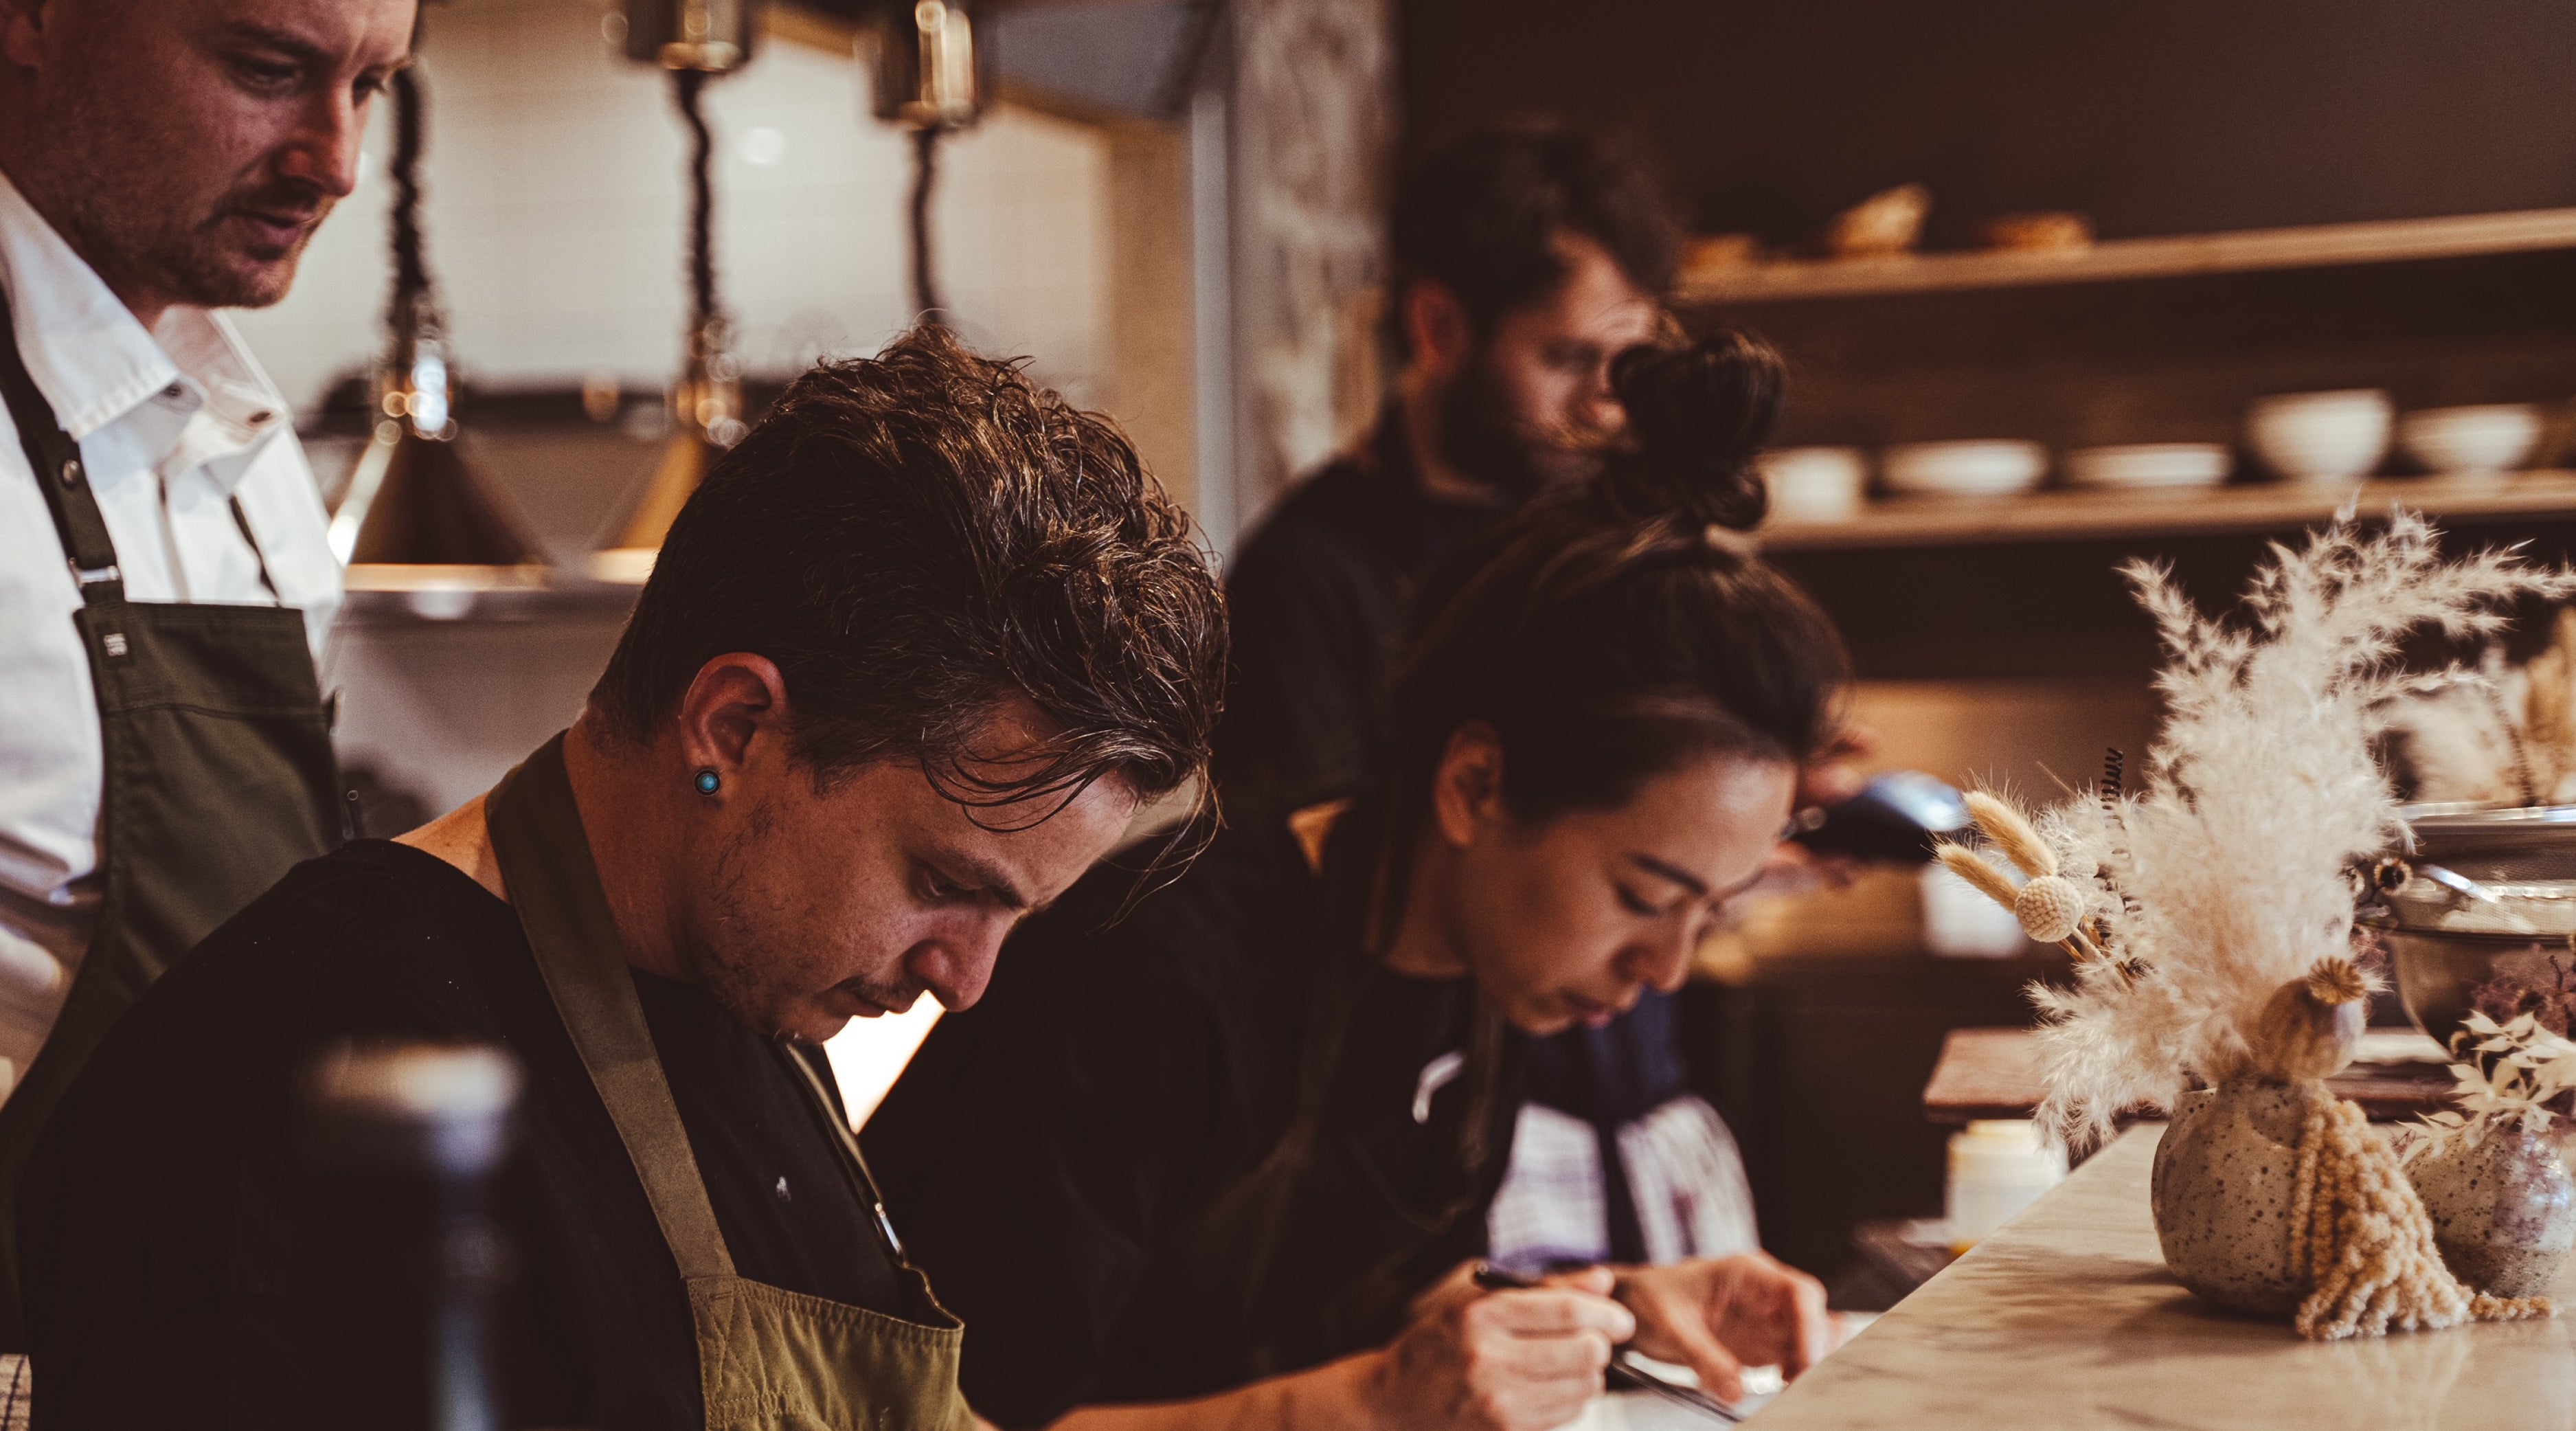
{"points": [[931, 79], [416, 514], [695, 40]]}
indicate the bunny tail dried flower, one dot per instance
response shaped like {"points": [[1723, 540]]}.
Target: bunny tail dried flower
{"points": [[2050, 903], [2221, 877]]}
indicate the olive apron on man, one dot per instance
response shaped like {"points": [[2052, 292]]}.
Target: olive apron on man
{"points": [[1314, 1253], [219, 778], [768, 1358]]}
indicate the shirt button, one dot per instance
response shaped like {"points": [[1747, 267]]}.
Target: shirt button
{"points": [[783, 1194], [173, 393], [260, 417]]}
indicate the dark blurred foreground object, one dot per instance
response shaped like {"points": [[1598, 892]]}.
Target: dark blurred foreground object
{"points": [[1894, 820], [406, 1140]]}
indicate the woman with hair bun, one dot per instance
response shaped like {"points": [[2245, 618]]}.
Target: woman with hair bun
{"points": [[1615, 1158], [1227, 1160]]}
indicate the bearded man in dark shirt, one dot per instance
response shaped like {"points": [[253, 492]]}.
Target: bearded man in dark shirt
{"points": [[908, 663], [1525, 260]]}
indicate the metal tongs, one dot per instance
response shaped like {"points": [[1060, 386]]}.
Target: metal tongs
{"points": [[1623, 1371], [2463, 889]]}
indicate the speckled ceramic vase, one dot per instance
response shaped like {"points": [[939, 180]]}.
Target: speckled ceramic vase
{"points": [[2224, 1180], [2504, 1211]]}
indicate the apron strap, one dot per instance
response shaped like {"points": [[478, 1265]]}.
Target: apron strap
{"points": [[546, 865], [59, 473], [854, 1163]]}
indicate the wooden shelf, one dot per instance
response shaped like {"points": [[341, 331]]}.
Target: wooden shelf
{"points": [[2253, 507], [2325, 246]]}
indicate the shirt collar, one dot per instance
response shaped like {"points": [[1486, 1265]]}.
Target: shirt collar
{"points": [[90, 357]]}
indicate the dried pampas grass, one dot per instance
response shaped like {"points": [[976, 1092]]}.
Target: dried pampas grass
{"points": [[2501, 735], [2223, 877]]}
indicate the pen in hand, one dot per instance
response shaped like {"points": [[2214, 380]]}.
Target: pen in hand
{"points": [[1622, 1372]]}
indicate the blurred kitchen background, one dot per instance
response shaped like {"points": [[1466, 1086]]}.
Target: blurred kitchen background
{"points": [[2070, 227]]}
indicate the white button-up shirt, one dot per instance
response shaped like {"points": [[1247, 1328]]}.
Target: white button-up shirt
{"points": [[174, 425]]}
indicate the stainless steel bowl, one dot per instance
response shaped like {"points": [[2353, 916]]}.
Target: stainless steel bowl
{"points": [[2442, 975], [2449, 954], [2532, 844]]}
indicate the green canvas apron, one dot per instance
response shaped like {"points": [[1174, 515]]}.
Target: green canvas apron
{"points": [[768, 1358], [219, 778]]}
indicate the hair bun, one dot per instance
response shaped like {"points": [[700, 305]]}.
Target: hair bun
{"points": [[1697, 415]]}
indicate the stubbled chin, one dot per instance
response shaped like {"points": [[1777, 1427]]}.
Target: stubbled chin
{"points": [[814, 1025]]}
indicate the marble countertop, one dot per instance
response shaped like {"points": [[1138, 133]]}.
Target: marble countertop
{"points": [[2067, 1319]]}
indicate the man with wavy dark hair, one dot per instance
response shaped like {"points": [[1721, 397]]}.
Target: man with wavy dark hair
{"points": [[909, 661]]}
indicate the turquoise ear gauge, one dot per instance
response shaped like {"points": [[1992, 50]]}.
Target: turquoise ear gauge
{"points": [[708, 782]]}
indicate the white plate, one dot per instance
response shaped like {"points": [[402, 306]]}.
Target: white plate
{"points": [[2148, 464]]}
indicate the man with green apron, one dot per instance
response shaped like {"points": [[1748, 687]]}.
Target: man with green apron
{"points": [[907, 665], [164, 576]]}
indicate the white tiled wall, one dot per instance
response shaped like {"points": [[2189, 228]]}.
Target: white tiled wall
{"points": [[556, 213]]}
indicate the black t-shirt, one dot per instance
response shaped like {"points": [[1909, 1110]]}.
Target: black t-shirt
{"points": [[1320, 601], [169, 1272], [1116, 1078], [1317, 601]]}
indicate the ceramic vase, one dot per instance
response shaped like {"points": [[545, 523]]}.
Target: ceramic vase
{"points": [[2224, 1181], [2504, 1209]]}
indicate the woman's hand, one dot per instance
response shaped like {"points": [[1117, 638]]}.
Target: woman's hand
{"points": [[1719, 1317], [1523, 1360]]}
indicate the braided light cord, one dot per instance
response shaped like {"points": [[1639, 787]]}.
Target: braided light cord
{"points": [[925, 174], [409, 312], [686, 86]]}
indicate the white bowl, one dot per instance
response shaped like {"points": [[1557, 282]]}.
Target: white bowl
{"points": [[1988, 468], [2476, 441], [2321, 437], [2148, 464], [1814, 484]]}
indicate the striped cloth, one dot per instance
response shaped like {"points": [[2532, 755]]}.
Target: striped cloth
{"points": [[1685, 1174]]}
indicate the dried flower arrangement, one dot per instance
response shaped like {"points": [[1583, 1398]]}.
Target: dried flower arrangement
{"points": [[2211, 913], [2518, 1069]]}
